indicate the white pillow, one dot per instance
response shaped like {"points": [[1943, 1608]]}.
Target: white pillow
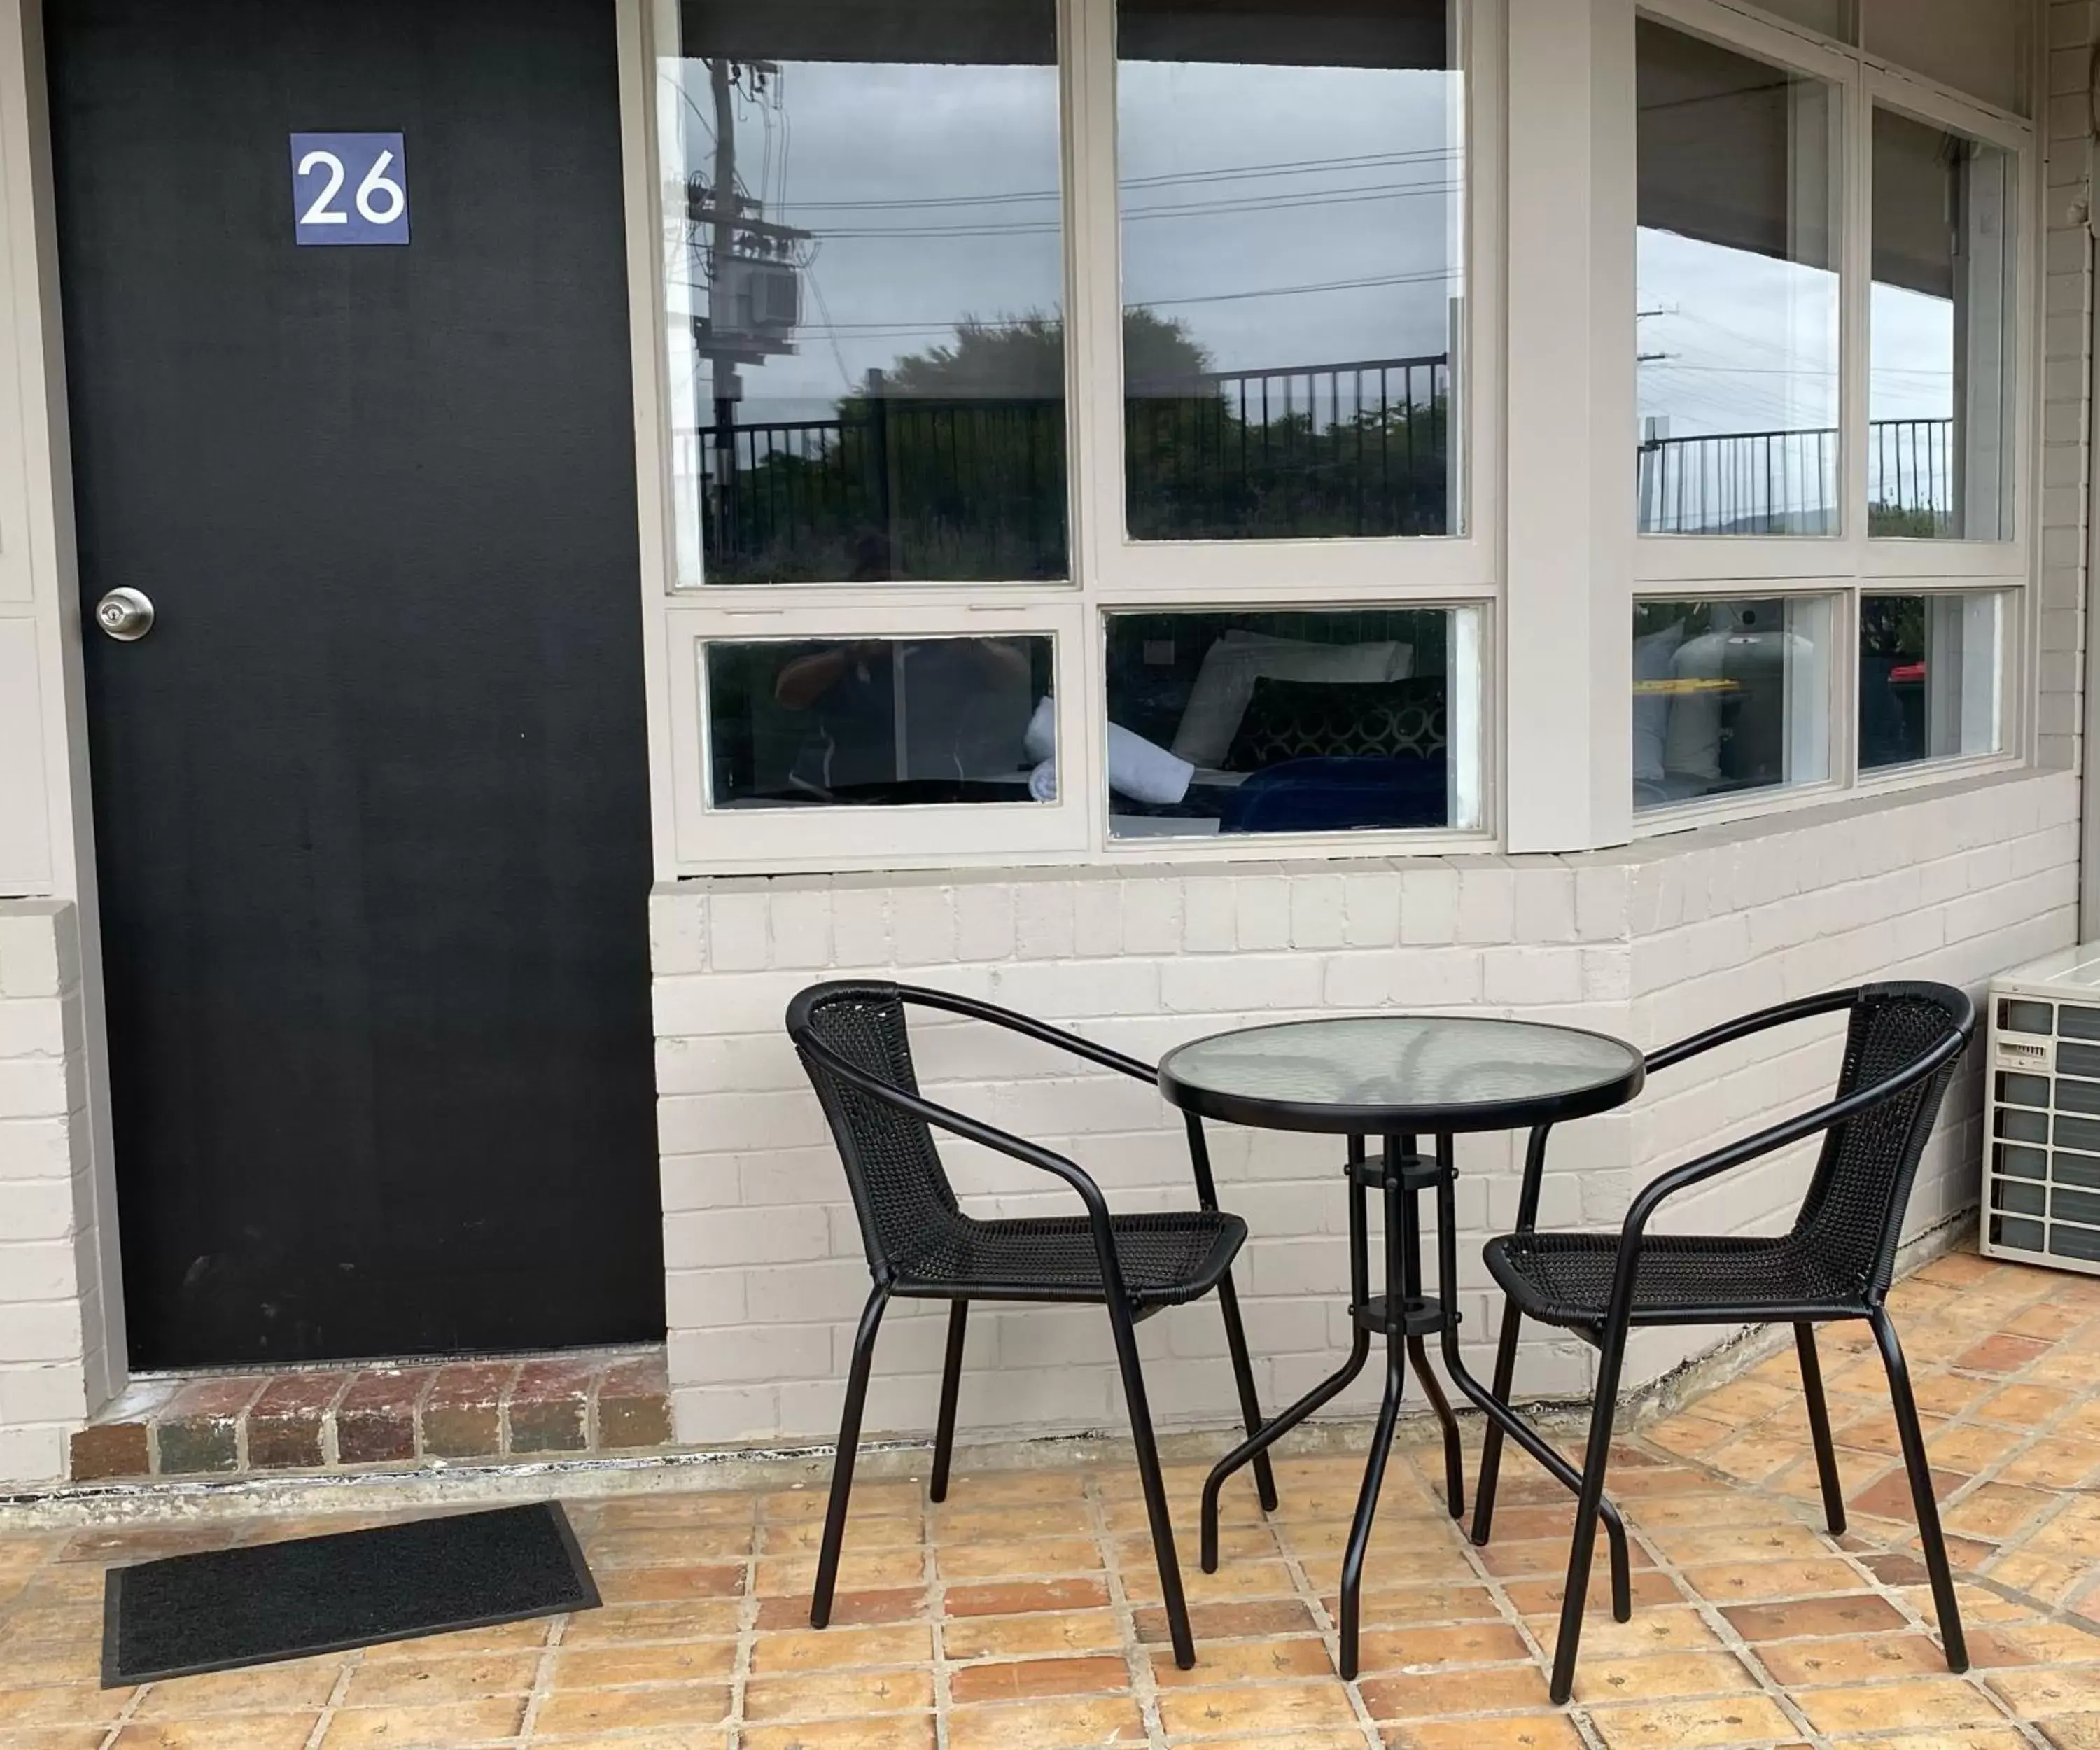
{"points": [[1231, 665], [1652, 656]]}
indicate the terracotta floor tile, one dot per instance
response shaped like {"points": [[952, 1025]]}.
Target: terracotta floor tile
{"points": [[1530, 1731], [1048, 1725], [613, 1710], [1936, 1702], [1649, 1586], [869, 1571], [1662, 1677], [1476, 1643], [1853, 1614], [670, 1662], [1245, 1662], [893, 1731], [1008, 1488], [637, 1585], [1957, 1737], [1254, 1710], [504, 1637], [440, 1727], [830, 1694], [1309, 1738], [1865, 1658], [1407, 1607], [834, 1649], [1692, 1725], [806, 1536], [1972, 1447], [849, 1610], [1036, 1558], [1026, 1679], [1689, 1546], [1212, 1623], [1243, 1580], [2024, 1406], [2055, 1461], [409, 1682], [1486, 1689], [1704, 1512], [68, 1705], [625, 1623], [689, 1546], [225, 1731], [2042, 1694], [999, 1599], [2046, 1643], [1751, 1582], [2000, 1353], [305, 1682], [90, 1738], [2077, 1731], [870, 1500]]}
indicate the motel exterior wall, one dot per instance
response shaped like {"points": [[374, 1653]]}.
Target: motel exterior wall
{"points": [[765, 1277]]}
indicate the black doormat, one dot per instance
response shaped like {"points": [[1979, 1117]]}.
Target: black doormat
{"points": [[230, 1607]]}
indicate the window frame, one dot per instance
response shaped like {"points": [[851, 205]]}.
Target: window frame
{"points": [[1854, 564], [1110, 573]]}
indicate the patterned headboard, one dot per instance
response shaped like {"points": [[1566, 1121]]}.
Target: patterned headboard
{"points": [[1300, 720]]}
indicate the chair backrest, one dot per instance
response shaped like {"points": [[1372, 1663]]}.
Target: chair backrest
{"points": [[1852, 1216], [900, 1190]]}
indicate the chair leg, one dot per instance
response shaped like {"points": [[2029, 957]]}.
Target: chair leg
{"points": [[842, 1465], [1154, 1483], [1491, 1449], [1819, 1429], [951, 1381], [1582, 1546], [1948, 1611], [1228, 1302]]}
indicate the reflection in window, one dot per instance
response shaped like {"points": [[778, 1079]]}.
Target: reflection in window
{"points": [[1292, 175], [1940, 461], [1738, 166], [866, 277], [1729, 696], [1328, 722], [1930, 677], [880, 721]]}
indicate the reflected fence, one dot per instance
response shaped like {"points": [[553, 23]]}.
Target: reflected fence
{"points": [[976, 487], [1784, 482]]}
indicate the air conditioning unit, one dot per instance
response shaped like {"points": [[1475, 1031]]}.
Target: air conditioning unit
{"points": [[2041, 1163]]}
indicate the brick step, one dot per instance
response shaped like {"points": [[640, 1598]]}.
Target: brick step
{"points": [[349, 1419]]}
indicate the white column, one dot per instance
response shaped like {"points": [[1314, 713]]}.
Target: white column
{"points": [[1567, 688]]}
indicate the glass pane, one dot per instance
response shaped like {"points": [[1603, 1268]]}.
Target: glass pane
{"points": [[865, 279], [1292, 177], [1941, 368], [1330, 722], [881, 721], [1739, 249], [1729, 696], [2026, 1017], [1929, 677]]}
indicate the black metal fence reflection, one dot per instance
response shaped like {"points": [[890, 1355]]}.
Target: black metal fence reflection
{"points": [[1784, 482]]}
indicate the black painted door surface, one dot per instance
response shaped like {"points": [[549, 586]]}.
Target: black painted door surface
{"points": [[371, 798]]}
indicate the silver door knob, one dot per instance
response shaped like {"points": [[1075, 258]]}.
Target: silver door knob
{"points": [[124, 614]]}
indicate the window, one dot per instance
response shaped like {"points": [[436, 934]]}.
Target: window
{"points": [[1830, 454], [1942, 368], [1264, 722], [1292, 180], [1738, 312], [1931, 678], [865, 292], [1730, 696]]}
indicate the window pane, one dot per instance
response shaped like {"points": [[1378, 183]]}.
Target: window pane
{"points": [[866, 283], [880, 721], [1292, 194], [1729, 696], [1930, 677], [1941, 368], [1226, 723], [1833, 18], [1739, 209]]}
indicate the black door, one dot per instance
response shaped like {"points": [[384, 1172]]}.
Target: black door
{"points": [[371, 797]]}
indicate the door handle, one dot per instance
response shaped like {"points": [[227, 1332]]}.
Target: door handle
{"points": [[124, 614]]}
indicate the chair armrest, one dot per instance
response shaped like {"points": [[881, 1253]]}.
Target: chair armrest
{"points": [[1030, 1027], [1789, 1131], [976, 1130], [1805, 1008]]}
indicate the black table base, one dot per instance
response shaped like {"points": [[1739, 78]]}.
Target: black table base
{"points": [[1401, 1176]]}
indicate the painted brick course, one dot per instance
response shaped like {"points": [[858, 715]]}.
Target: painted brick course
{"points": [[1652, 942]]}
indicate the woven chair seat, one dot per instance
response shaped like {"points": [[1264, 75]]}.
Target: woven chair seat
{"points": [[1565, 1279], [1166, 1258]]}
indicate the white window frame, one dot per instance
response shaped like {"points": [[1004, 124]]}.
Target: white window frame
{"points": [[1109, 572], [1853, 564]]}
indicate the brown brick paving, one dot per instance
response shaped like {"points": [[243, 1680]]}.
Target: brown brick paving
{"points": [[1022, 1614]]}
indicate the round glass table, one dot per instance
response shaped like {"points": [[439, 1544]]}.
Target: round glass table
{"points": [[1395, 1079]]}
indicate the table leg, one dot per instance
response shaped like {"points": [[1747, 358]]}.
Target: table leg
{"points": [[1500, 1415], [1402, 1236], [1418, 1352], [1359, 1348]]}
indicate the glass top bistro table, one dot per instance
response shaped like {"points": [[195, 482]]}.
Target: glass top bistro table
{"points": [[1395, 1078]]}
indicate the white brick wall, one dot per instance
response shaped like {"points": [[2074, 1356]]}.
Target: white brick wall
{"points": [[50, 1294], [1650, 942], [2066, 374]]}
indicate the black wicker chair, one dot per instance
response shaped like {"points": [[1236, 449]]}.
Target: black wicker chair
{"points": [[1836, 1263], [853, 1042]]}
